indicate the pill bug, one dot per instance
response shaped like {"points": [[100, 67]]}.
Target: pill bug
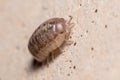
{"points": [[49, 36]]}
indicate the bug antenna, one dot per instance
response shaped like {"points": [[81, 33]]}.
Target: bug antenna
{"points": [[70, 18]]}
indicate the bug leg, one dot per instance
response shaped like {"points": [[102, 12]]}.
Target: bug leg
{"points": [[69, 24], [70, 19], [47, 62], [69, 27], [68, 42], [52, 56], [68, 31], [42, 63]]}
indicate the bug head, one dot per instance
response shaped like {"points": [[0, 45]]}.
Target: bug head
{"points": [[57, 26], [62, 25]]}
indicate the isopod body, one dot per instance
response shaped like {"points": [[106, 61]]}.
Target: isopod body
{"points": [[49, 36]]}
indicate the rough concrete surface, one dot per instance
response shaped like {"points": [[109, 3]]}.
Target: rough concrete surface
{"points": [[96, 55]]}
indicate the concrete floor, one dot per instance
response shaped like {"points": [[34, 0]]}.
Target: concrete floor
{"points": [[96, 55]]}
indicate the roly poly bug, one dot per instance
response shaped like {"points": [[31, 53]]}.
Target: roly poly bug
{"points": [[49, 36]]}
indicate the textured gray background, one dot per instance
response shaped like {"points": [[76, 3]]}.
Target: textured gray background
{"points": [[96, 55]]}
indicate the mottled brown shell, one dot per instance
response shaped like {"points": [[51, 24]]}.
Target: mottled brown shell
{"points": [[47, 37]]}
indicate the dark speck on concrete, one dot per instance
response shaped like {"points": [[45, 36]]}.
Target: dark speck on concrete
{"points": [[75, 44], [18, 47], [92, 48], [70, 61], [86, 31], [92, 56], [106, 26], [81, 35], [74, 67], [80, 4], [68, 74], [96, 10], [93, 22], [70, 67]]}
